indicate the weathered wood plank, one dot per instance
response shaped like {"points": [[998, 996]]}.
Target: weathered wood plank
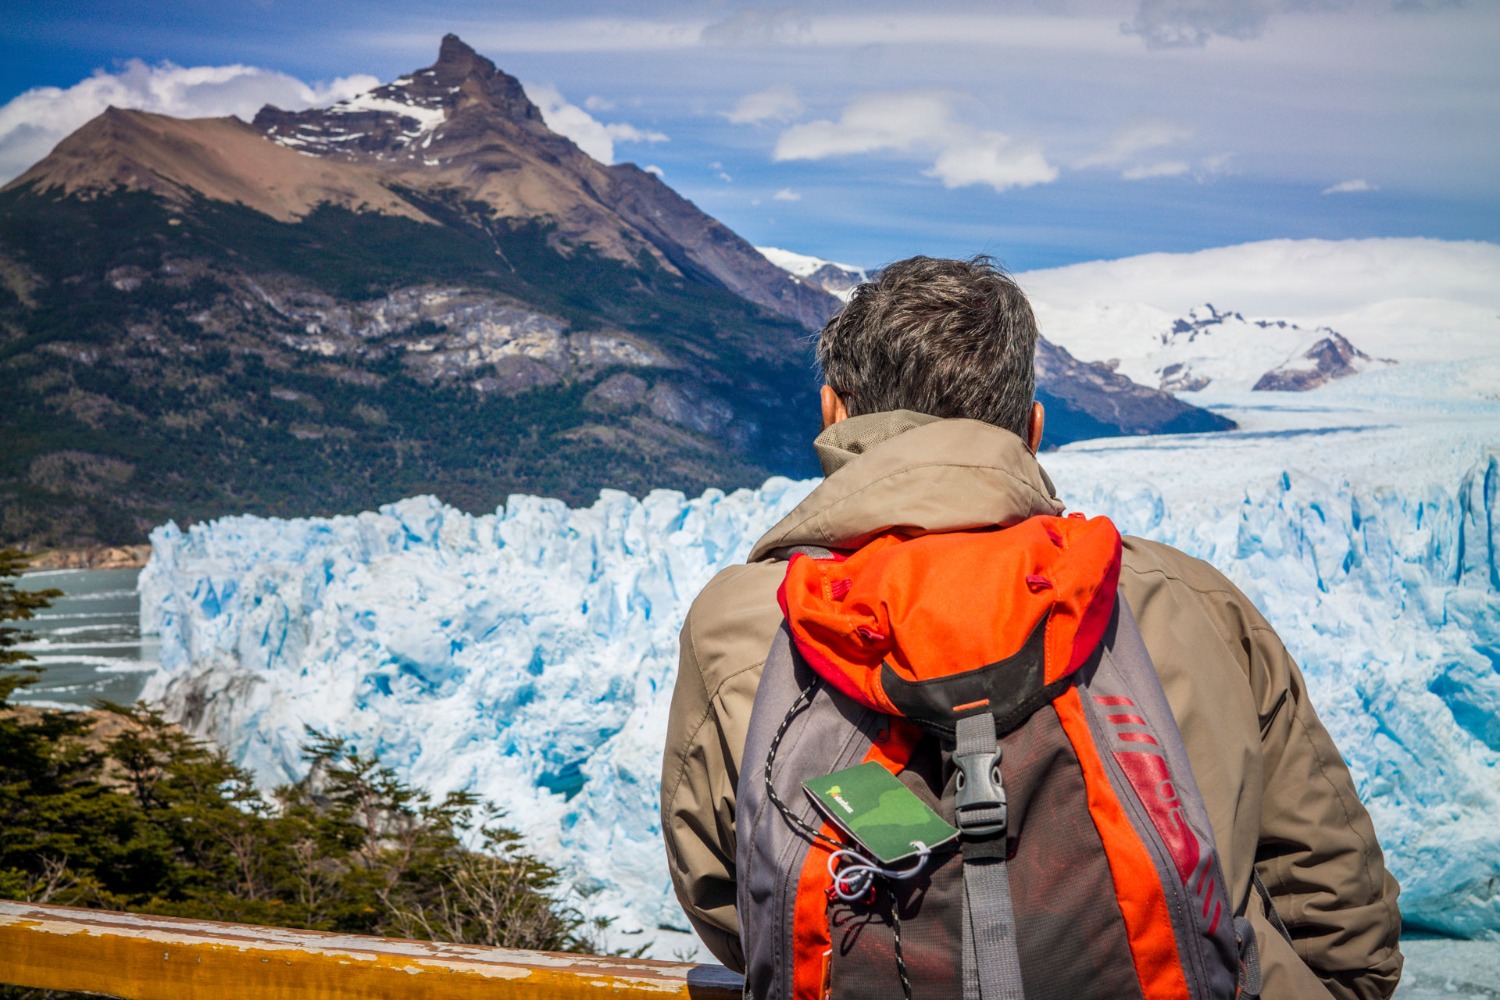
{"points": [[163, 958]]}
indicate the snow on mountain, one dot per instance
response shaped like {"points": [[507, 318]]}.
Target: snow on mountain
{"points": [[529, 654], [396, 112], [1409, 300], [1329, 358], [1224, 350], [836, 279]]}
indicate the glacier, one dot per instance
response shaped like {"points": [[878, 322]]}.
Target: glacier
{"points": [[528, 654]]}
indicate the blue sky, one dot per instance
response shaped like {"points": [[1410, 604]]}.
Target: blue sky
{"points": [[1041, 131]]}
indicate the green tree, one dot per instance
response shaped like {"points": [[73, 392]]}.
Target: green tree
{"points": [[16, 605], [120, 809]]}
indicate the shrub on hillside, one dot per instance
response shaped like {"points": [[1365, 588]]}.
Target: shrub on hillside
{"points": [[119, 809]]}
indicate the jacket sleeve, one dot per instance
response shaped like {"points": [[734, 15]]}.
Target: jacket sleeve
{"points": [[722, 650], [1317, 852], [697, 811]]}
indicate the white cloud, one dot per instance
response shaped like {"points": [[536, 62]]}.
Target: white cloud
{"points": [[778, 103], [1217, 163], [874, 123], [921, 120], [35, 121], [1134, 138], [992, 158], [1165, 168], [724, 177], [595, 103], [1125, 148], [1351, 187], [594, 137], [786, 194], [652, 168]]}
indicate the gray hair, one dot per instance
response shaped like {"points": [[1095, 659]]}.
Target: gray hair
{"points": [[951, 338]]}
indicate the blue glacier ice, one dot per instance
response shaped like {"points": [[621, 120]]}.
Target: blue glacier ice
{"points": [[529, 654]]}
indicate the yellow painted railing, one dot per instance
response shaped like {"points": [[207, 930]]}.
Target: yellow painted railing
{"points": [[163, 958]]}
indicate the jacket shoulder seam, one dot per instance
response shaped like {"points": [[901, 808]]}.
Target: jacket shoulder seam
{"points": [[1176, 578], [1213, 621]]}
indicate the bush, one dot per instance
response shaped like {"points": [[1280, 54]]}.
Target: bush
{"points": [[119, 809]]}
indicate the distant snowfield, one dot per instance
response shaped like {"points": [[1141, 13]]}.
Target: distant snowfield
{"points": [[1410, 300], [529, 654]]}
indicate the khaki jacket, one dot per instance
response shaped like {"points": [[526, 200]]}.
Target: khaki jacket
{"points": [[1278, 793]]}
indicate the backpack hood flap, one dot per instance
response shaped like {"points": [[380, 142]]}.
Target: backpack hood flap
{"points": [[934, 626]]}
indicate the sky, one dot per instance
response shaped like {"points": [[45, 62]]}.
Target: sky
{"points": [[1042, 132]]}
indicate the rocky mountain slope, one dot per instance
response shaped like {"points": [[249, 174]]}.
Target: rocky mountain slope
{"points": [[1330, 358], [420, 289]]}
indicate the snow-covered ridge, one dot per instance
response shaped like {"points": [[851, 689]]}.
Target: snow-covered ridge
{"points": [[1209, 348], [838, 280], [802, 264], [427, 118], [396, 114]]}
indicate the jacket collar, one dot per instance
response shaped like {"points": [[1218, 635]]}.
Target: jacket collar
{"points": [[916, 472]]}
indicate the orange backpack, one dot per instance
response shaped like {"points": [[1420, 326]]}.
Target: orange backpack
{"points": [[996, 673]]}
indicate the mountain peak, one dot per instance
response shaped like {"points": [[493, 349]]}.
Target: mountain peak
{"points": [[460, 132], [460, 70], [455, 52], [400, 119]]}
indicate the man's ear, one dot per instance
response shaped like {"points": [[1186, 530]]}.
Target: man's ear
{"points": [[1034, 427], [834, 409]]}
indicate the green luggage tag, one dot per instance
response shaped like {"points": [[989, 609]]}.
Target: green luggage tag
{"points": [[881, 814]]}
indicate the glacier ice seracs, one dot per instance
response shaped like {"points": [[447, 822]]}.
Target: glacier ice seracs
{"points": [[529, 654]]}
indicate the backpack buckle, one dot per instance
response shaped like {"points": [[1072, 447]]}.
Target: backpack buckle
{"points": [[980, 808]]}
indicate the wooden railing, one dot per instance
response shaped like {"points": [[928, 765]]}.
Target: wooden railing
{"points": [[164, 958]]}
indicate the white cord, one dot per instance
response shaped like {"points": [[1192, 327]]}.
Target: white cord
{"points": [[853, 880]]}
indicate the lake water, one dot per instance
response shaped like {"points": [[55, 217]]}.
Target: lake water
{"points": [[88, 643]]}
